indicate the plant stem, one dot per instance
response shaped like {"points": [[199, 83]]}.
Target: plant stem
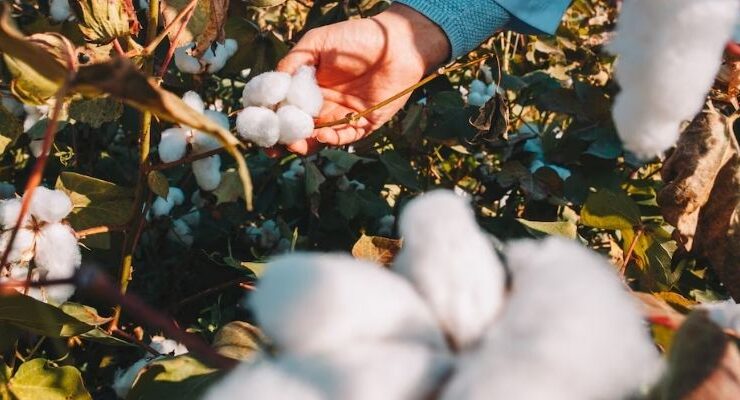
{"points": [[630, 250], [96, 230], [185, 160]]}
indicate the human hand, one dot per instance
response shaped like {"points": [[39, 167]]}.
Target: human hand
{"points": [[362, 62]]}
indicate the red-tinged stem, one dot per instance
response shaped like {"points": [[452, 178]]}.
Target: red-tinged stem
{"points": [[96, 230], [174, 42], [117, 47]]}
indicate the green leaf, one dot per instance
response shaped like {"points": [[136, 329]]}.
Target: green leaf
{"points": [[177, 378], [158, 184], [10, 129], [38, 317], [84, 313], [559, 228], [314, 178], [238, 340], [230, 189], [39, 379], [96, 202], [400, 169], [610, 210], [344, 160], [96, 112]]}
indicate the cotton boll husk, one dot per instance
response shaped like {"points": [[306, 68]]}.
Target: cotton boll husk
{"points": [[207, 172], [314, 302], [185, 62], [589, 343], [10, 209], [231, 46], [123, 380], [305, 92], [266, 89], [193, 99], [452, 263], [22, 250], [167, 346], [684, 41], [295, 124], [173, 145], [260, 126], [50, 205], [388, 371], [180, 232], [59, 10]]}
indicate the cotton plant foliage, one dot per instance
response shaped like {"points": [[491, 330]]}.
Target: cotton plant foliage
{"points": [[44, 243], [279, 108], [349, 329], [688, 38], [124, 379]]}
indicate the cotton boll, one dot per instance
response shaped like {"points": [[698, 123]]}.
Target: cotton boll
{"points": [[185, 62], [685, 40], [295, 124], [144, 4], [260, 126], [476, 99], [478, 86], [58, 256], [305, 92], [315, 302], [33, 115], [267, 89], [176, 196], [123, 380], [491, 90], [207, 172], [220, 118], [192, 218], [22, 250], [36, 147], [231, 46], [193, 99], [173, 144], [452, 263], [180, 232], [162, 206], [59, 10], [10, 209], [216, 59], [589, 344], [167, 346], [50, 205], [203, 142]]}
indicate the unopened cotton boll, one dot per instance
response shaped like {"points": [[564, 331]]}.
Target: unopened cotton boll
{"points": [[193, 99], [685, 40], [22, 250], [124, 380], [173, 144], [167, 346], [266, 89], [305, 92], [295, 124], [207, 172], [59, 10], [452, 263], [180, 232], [185, 62], [590, 344], [260, 126], [162, 206], [315, 302], [50, 205]]}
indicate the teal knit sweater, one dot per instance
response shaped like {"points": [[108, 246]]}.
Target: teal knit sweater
{"points": [[468, 23]]}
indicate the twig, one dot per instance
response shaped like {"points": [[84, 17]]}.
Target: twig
{"points": [[354, 117], [154, 21], [130, 338], [96, 230], [630, 250], [185, 160], [243, 282], [173, 43]]}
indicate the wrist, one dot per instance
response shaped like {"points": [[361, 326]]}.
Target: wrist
{"points": [[420, 37]]}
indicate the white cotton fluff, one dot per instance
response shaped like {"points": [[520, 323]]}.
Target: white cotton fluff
{"points": [[49, 205], [266, 89], [185, 62], [388, 371], [207, 172], [10, 209], [33, 115], [477, 99], [162, 206], [568, 331], [295, 124], [220, 118], [22, 250], [124, 380], [144, 4], [192, 218], [57, 256], [231, 46], [173, 144], [478, 86], [216, 58], [305, 92], [315, 302], [180, 232], [203, 142], [193, 99], [669, 53], [452, 263], [726, 314], [11, 104], [36, 147], [59, 10], [260, 126], [167, 346]]}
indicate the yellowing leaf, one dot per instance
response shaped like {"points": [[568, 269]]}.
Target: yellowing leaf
{"points": [[101, 21], [610, 210], [10, 129], [376, 249], [158, 184], [560, 228], [96, 202], [238, 340], [40, 379]]}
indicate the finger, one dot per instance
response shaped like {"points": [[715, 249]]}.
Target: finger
{"points": [[304, 53], [341, 136]]}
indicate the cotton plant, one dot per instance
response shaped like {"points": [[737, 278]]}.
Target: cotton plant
{"points": [[174, 144], [44, 239], [125, 379], [212, 60], [534, 146], [688, 38], [479, 92], [279, 108], [440, 322], [59, 10], [266, 236]]}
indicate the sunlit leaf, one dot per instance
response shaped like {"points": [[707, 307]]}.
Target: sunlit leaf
{"points": [[40, 379]]}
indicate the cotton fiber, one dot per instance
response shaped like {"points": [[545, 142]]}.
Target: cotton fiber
{"points": [[305, 92], [258, 125], [207, 172], [295, 124], [266, 90], [173, 144]]}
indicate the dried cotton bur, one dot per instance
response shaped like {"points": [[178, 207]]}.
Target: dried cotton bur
{"points": [[686, 38], [439, 322], [279, 108], [45, 244]]}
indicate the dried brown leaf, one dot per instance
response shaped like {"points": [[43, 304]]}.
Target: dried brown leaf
{"points": [[196, 25], [214, 29], [376, 249], [101, 21]]}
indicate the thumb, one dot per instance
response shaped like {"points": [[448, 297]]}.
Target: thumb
{"points": [[304, 53]]}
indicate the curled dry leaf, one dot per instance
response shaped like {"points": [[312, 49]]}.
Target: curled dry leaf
{"points": [[702, 195], [704, 363], [214, 29], [101, 21], [376, 249], [196, 24]]}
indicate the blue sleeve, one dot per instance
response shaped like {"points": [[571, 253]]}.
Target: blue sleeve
{"points": [[467, 23]]}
